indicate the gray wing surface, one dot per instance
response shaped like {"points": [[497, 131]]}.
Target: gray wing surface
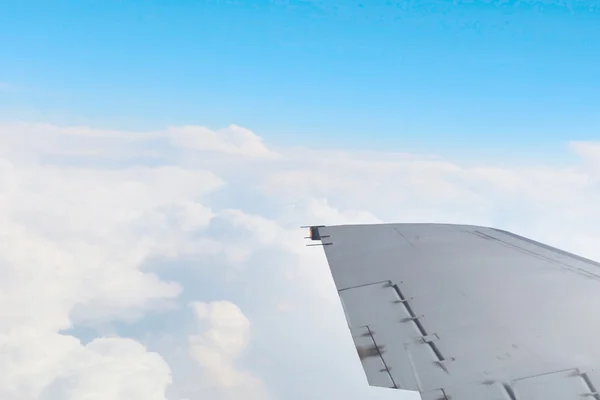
{"points": [[467, 313]]}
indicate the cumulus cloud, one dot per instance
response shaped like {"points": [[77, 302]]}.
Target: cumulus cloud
{"points": [[231, 140], [225, 334], [107, 236], [44, 141], [73, 244], [111, 368]]}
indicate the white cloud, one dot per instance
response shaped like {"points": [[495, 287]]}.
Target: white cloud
{"points": [[225, 334], [231, 140], [73, 241], [88, 218], [35, 141], [111, 368]]}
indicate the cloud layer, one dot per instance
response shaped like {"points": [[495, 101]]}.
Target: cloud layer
{"points": [[169, 264]]}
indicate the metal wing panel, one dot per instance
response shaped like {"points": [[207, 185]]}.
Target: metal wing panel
{"points": [[467, 309], [390, 345], [371, 358]]}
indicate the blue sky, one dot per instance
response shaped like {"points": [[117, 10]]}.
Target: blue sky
{"points": [[419, 75]]}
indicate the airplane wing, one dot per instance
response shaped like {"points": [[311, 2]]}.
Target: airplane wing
{"points": [[466, 312]]}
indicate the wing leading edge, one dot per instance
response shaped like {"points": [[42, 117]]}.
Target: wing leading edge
{"points": [[465, 312]]}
